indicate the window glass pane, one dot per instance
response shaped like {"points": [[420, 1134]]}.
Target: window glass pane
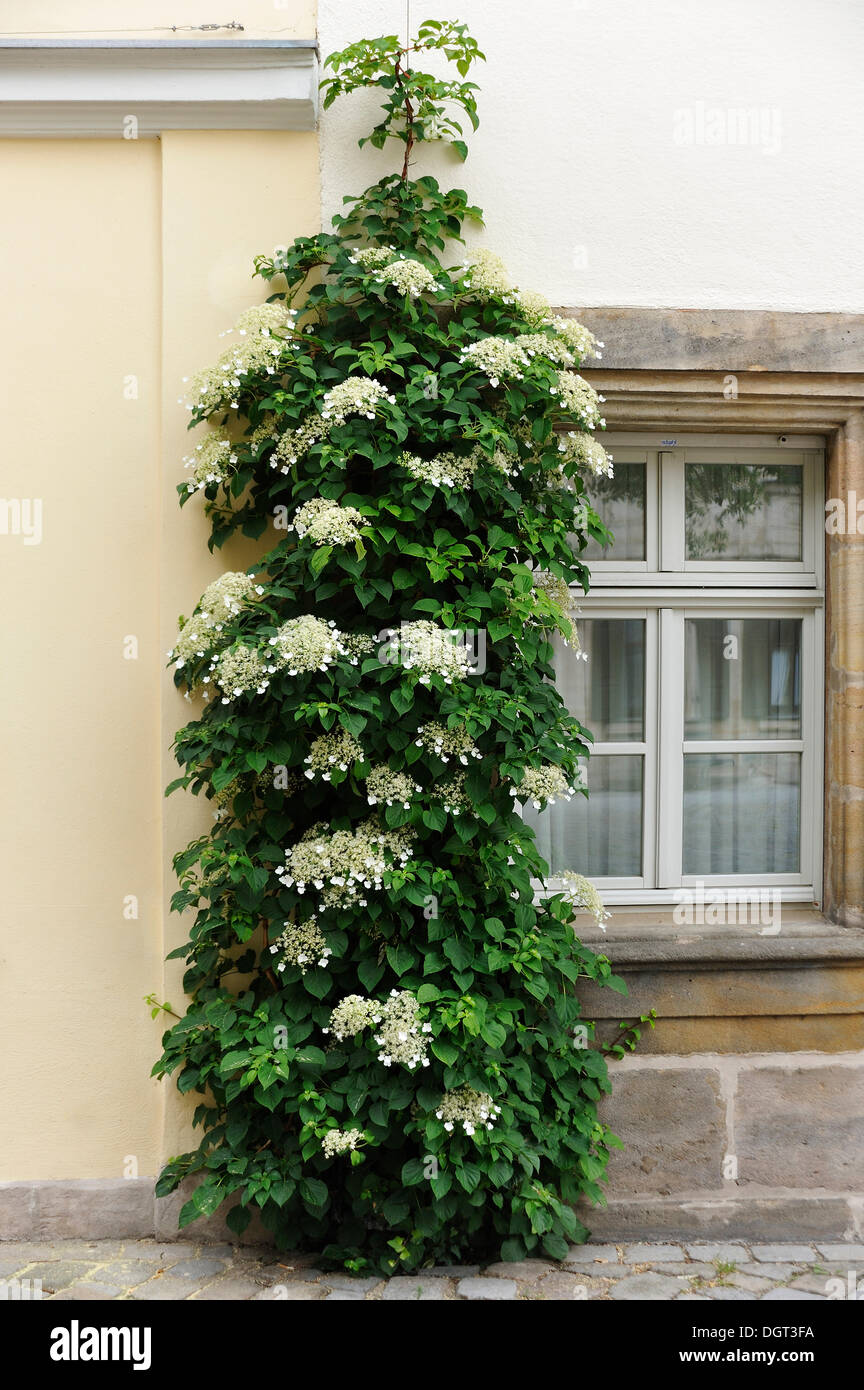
{"points": [[742, 678], [741, 813], [620, 503], [600, 837], [606, 692], [742, 511]]}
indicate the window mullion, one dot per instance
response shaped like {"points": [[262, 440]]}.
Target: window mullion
{"points": [[671, 463], [670, 779]]}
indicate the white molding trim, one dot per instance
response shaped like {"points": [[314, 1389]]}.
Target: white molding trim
{"points": [[136, 89]]}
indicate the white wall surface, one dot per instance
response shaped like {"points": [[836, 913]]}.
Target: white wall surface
{"points": [[609, 166]]}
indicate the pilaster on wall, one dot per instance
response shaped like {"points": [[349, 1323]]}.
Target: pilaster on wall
{"points": [[226, 195], [844, 681]]}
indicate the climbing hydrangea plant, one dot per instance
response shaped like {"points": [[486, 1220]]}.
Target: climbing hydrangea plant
{"points": [[383, 1017]]}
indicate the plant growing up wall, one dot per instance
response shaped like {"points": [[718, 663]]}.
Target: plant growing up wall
{"points": [[383, 1025]]}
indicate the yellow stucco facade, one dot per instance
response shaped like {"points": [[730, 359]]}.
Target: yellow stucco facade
{"points": [[124, 260]]}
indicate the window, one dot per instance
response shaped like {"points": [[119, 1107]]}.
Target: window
{"points": [[703, 684]]}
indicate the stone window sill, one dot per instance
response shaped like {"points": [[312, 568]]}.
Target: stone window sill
{"points": [[652, 939]]}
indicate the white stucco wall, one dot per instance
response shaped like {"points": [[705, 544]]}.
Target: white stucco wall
{"points": [[582, 162]]}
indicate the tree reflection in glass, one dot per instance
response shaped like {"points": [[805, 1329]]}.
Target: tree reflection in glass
{"points": [[620, 503], [742, 511]]}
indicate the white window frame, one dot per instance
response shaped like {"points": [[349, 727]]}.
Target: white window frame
{"points": [[665, 598], [665, 458]]}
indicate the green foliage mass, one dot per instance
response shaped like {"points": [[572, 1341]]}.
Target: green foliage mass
{"points": [[456, 924]]}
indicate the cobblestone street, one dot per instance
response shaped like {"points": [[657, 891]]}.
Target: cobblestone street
{"points": [[145, 1270]]}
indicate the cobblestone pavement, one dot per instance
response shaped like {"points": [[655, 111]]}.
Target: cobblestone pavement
{"points": [[148, 1269]]}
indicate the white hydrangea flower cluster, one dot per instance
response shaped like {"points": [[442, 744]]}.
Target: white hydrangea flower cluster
{"points": [[372, 257], [584, 450], [307, 644], [400, 1037], [212, 460], [351, 1015], [577, 337], [472, 1109], [497, 358], [357, 645], [452, 794], [340, 1141], [555, 588], [221, 601], [223, 798], [228, 595], [458, 470], [505, 463], [447, 743], [579, 399], [332, 750], [277, 778], [302, 944], [444, 470], [408, 276], [391, 788], [356, 395], [581, 893], [560, 593], [264, 319], [429, 649], [267, 430], [485, 274], [197, 638], [239, 670], [294, 443], [260, 351], [344, 865], [325, 522], [541, 345], [540, 784], [534, 307]]}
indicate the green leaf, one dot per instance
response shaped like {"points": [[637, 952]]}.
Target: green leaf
{"points": [[370, 972], [313, 1192], [233, 1061], [457, 953], [317, 982], [427, 993], [413, 1172], [401, 958], [238, 1219], [319, 558], [555, 1246], [207, 1199], [513, 1249], [445, 1051]]}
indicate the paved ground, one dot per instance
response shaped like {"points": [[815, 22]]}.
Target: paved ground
{"points": [[146, 1269]]}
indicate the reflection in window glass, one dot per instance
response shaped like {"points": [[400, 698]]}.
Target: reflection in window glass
{"points": [[620, 504], [600, 837], [742, 678], [606, 692], [741, 813], [742, 511]]}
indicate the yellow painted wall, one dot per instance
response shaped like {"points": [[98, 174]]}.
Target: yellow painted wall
{"points": [[270, 19], [123, 259], [79, 286]]}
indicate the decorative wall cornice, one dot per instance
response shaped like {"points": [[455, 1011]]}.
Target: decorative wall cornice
{"points": [[139, 88]]}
